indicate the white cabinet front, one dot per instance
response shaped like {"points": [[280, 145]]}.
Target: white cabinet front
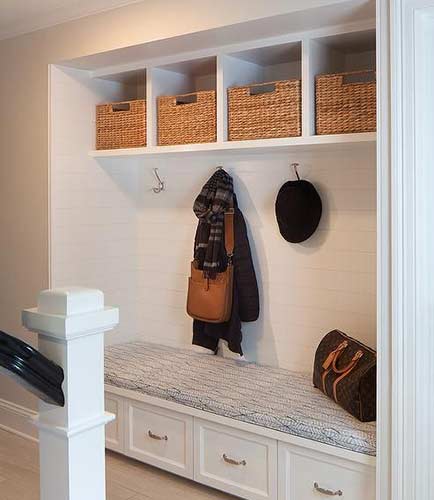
{"points": [[161, 438], [114, 432], [235, 461], [309, 475]]}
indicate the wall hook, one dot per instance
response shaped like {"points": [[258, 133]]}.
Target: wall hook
{"points": [[295, 167], [160, 186]]}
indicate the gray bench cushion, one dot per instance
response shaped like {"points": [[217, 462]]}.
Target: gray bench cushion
{"points": [[261, 395]]}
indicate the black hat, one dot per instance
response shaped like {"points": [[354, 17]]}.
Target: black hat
{"points": [[298, 210]]}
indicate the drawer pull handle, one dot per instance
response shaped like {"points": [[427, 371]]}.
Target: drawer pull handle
{"points": [[232, 461], [330, 493], [158, 438]]}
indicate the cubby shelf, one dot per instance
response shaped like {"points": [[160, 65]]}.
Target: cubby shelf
{"points": [[262, 145], [287, 57]]}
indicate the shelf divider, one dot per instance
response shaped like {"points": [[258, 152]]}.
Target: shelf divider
{"points": [[151, 109], [222, 101]]}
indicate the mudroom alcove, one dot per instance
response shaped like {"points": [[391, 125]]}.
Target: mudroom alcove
{"points": [[109, 229]]}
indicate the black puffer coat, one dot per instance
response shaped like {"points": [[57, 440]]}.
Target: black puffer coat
{"points": [[245, 306]]}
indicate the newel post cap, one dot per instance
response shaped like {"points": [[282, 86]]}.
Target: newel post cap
{"points": [[67, 313], [68, 301]]}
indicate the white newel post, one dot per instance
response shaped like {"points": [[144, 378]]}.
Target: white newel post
{"points": [[71, 325]]}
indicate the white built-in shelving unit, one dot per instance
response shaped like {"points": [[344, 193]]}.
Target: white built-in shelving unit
{"points": [[300, 55]]}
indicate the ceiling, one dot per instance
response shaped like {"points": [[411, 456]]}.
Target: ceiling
{"points": [[23, 16]]}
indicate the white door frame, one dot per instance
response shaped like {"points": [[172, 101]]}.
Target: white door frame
{"points": [[405, 460]]}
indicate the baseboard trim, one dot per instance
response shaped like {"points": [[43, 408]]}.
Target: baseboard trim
{"points": [[18, 420]]}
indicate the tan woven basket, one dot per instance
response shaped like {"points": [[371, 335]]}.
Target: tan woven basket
{"points": [[346, 103], [121, 125], [187, 118], [265, 111]]}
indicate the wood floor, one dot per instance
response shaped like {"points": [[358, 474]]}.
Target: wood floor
{"points": [[126, 479]]}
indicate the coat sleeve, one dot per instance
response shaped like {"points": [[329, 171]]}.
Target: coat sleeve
{"points": [[244, 272]]}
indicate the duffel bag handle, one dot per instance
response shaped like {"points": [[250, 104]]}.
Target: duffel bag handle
{"points": [[333, 357], [350, 365]]}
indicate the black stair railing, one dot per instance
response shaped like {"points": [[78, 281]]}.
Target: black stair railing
{"points": [[32, 370]]}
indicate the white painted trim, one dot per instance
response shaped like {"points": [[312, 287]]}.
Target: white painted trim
{"points": [[68, 328], [17, 419], [384, 290], [405, 157], [423, 82], [236, 424], [66, 433], [49, 214]]}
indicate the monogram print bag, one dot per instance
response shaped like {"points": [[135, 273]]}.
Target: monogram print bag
{"points": [[346, 371]]}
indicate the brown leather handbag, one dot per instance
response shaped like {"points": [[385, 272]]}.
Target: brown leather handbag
{"points": [[346, 371], [210, 300]]}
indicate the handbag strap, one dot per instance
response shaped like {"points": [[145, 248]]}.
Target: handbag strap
{"points": [[229, 233]]}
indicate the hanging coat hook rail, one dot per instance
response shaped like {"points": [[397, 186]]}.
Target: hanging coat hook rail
{"points": [[160, 186]]}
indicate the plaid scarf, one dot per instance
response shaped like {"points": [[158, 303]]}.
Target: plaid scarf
{"points": [[210, 207]]}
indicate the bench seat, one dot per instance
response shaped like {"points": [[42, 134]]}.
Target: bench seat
{"points": [[261, 395]]}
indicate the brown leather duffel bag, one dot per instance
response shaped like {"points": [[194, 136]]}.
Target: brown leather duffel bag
{"points": [[346, 371]]}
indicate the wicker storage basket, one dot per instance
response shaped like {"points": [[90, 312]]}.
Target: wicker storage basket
{"points": [[121, 125], [264, 111], [346, 103], [187, 118]]}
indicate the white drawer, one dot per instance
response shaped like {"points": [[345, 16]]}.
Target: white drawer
{"points": [[115, 430], [309, 475], [160, 437], [235, 461]]}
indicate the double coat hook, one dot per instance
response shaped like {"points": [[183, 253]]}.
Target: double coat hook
{"points": [[160, 186]]}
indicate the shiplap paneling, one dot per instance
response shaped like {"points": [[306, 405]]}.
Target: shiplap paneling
{"points": [[110, 231]]}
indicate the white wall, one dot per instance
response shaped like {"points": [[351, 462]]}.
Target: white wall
{"points": [[110, 231]]}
